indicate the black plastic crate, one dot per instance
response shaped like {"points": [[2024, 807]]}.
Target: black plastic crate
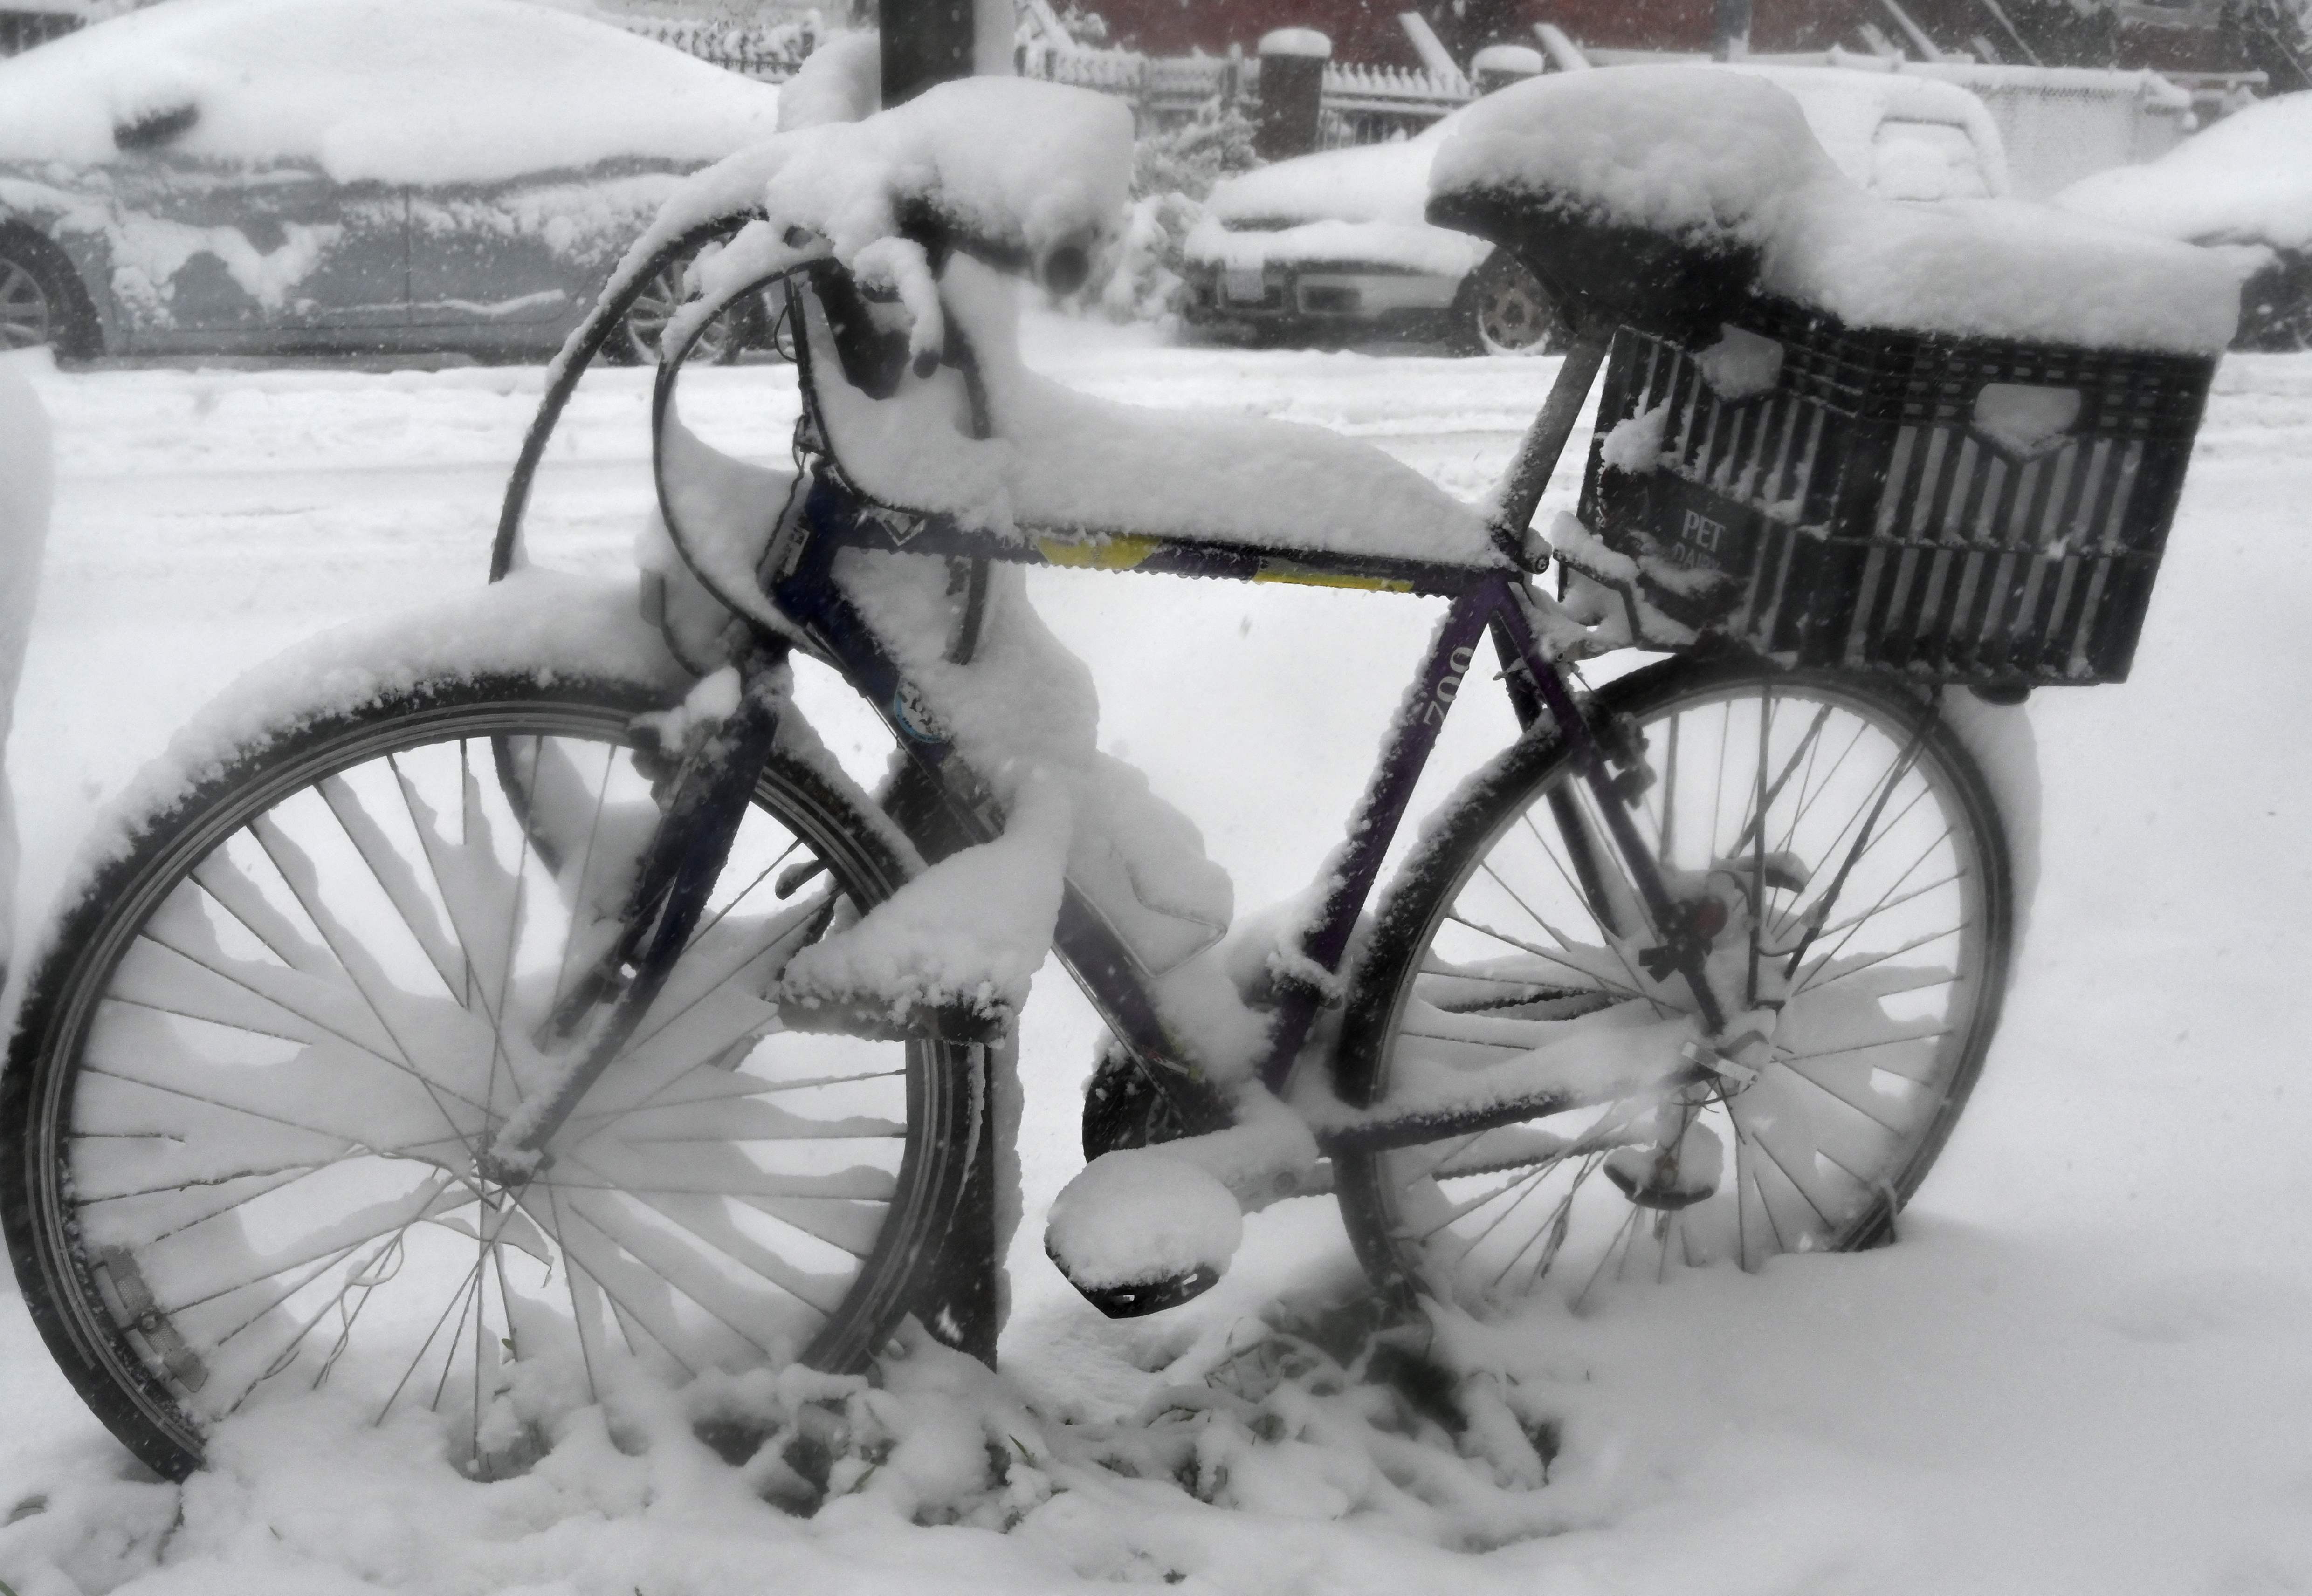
{"points": [[1873, 508]]}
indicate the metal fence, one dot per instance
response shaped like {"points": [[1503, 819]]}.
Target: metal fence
{"points": [[1362, 105]]}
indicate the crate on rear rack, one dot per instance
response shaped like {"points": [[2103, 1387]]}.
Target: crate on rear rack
{"points": [[1955, 509]]}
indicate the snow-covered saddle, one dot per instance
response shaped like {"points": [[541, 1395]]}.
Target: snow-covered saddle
{"points": [[1665, 197]]}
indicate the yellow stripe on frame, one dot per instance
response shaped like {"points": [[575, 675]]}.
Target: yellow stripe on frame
{"points": [[1107, 553], [1302, 576]]}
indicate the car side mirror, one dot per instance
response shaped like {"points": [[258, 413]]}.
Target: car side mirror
{"points": [[150, 129]]}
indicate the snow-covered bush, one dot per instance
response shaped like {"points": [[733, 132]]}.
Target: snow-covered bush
{"points": [[1172, 171]]}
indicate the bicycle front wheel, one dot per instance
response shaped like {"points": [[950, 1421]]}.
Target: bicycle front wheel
{"points": [[1846, 847], [243, 1112]]}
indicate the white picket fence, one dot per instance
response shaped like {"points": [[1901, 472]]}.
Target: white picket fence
{"points": [[769, 53]]}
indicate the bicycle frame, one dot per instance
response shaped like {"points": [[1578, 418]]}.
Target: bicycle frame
{"points": [[1499, 600]]}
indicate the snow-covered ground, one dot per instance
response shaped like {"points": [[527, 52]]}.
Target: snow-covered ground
{"points": [[2084, 1368]]}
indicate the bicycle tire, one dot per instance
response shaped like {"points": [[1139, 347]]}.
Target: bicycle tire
{"points": [[1859, 1098], [795, 1205]]}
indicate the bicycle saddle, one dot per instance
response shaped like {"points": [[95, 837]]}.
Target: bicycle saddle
{"points": [[1645, 195]]}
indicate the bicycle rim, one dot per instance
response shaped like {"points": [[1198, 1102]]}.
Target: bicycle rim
{"points": [[1885, 933]]}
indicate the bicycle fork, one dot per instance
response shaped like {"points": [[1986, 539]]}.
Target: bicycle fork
{"points": [[707, 796]]}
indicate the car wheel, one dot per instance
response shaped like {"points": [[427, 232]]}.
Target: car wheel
{"points": [[1508, 312], [666, 293], [2276, 307], [37, 305]]}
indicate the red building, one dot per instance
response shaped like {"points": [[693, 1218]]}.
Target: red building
{"points": [[1368, 32], [2204, 36]]}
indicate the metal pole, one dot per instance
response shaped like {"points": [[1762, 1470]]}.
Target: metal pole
{"points": [[926, 42], [1733, 33]]}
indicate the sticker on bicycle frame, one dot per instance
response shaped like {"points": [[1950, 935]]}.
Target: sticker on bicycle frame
{"points": [[896, 526], [913, 716]]}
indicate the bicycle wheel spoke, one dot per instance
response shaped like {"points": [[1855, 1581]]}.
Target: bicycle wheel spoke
{"points": [[417, 1357], [1627, 903], [1815, 981], [1539, 952], [389, 867], [349, 1230], [237, 896]]}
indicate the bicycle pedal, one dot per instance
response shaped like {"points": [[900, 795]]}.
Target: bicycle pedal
{"points": [[1142, 1298], [1140, 1230]]}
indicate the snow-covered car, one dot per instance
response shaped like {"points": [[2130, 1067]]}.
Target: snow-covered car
{"points": [[1337, 240], [2246, 182], [281, 176]]}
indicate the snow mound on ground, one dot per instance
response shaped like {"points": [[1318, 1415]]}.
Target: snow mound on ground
{"points": [[415, 92], [1726, 162], [813, 1481], [2248, 179]]}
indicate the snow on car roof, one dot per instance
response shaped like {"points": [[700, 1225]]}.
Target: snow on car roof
{"points": [[2248, 178], [1845, 110], [1389, 182], [1386, 182], [1727, 160], [416, 92]]}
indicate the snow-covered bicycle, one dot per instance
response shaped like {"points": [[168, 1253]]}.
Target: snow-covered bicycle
{"points": [[470, 1010]]}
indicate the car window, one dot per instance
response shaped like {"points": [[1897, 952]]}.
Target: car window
{"points": [[151, 129], [1925, 160]]}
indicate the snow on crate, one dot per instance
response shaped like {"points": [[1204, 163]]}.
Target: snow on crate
{"points": [[331, 82], [1725, 164]]}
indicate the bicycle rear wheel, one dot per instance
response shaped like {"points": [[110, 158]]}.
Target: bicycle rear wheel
{"points": [[1883, 874], [241, 1115]]}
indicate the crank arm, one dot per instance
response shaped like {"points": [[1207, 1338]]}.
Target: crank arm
{"points": [[1376, 1129]]}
